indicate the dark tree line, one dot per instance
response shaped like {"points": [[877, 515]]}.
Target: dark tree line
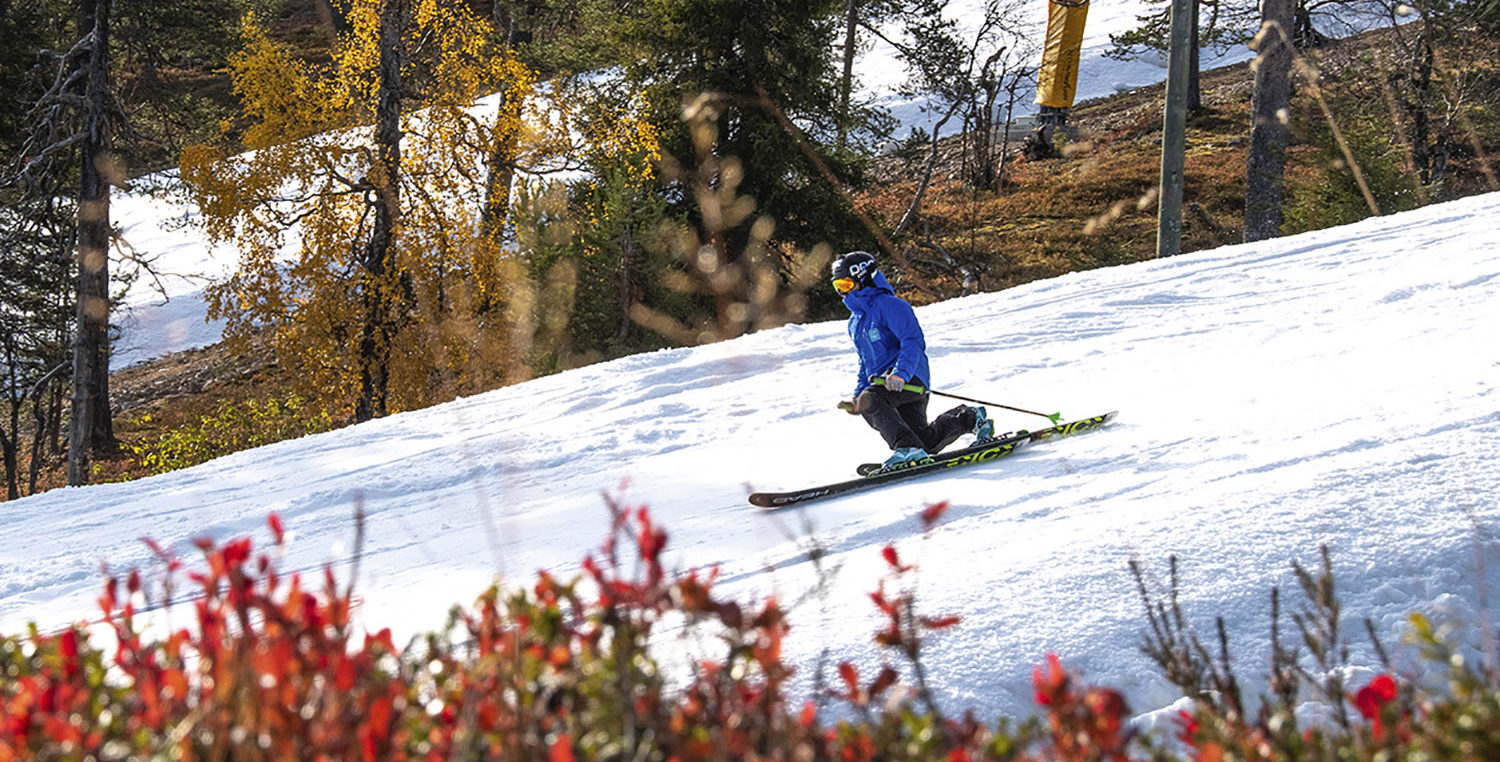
{"points": [[35, 326], [89, 98], [38, 225]]}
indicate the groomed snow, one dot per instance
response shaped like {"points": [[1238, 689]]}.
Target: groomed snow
{"points": [[1336, 388]]}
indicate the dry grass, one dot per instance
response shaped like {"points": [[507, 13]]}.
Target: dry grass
{"points": [[1096, 205]]}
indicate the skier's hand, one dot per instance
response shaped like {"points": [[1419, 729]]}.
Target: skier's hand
{"points": [[894, 383], [859, 404]]}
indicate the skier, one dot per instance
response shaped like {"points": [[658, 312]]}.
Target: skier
{"points": [[890, 346]]}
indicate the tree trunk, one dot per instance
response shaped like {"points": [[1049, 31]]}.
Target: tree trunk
{"points": [[501, 168], [37, 438], [56, 402], [45, 440], [1304, 34], [627, 287], [90, 428], [985, 122], [846, 82], [12, 469], [1011, 95], [328, 20], [500, 164], [375, 333], [1194, 93], [9, 442], [1266, 164], [1416, 101], [932, 157], [1174, 133]]}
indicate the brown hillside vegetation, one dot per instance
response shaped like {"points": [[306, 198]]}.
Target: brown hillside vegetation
{"points": [[1093, 207], [1096, 205]]}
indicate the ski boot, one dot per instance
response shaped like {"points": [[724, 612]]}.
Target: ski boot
{"points": [[984, 428], [905, 457]]}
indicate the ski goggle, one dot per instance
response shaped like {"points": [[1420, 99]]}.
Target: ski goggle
{"points": [[844, 285]]}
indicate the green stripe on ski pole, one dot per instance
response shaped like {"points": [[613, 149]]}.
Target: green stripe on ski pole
{"points": [[1055, 418]]}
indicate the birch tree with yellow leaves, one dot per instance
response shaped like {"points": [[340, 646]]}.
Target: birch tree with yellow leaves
{"points": [[358, 208]]}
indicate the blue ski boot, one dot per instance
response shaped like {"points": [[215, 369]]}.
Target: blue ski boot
{"points": [[906, 457], [984, 428]]}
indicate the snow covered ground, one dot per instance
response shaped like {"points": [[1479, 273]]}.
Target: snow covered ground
{"points": [[1336, 388]]}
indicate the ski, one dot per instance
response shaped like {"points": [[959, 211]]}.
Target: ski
{"points": [[980, 452], [1053, 432]]}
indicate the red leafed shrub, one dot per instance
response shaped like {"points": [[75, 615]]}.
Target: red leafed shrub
{"points": [[271, 668], [1085, 725]]}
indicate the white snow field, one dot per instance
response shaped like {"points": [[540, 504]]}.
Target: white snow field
{"points": [[1336, 387]]}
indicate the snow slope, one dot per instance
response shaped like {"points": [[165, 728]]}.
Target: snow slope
{"points": [[1336, 388]]}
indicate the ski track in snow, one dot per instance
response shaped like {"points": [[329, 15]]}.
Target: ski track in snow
{"points": [[1334, 388]]}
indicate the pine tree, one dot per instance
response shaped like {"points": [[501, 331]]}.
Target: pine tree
{"points": [[1229, 24], [36, 314], [756, 67], [73, 124], [72, 139], [619, 259]]}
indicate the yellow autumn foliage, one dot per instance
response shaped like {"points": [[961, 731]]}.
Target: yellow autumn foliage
{"points": [[298, 206]]}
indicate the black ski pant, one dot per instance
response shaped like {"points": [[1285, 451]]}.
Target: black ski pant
{"points": [[901, 419]]}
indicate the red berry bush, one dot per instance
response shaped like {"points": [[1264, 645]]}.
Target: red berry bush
{"points": [[270, 667]]}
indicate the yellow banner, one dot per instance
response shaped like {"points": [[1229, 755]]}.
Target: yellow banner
{"points": [[1058, 79]]}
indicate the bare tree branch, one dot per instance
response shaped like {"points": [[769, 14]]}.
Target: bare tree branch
{"points": [[916, 201]]}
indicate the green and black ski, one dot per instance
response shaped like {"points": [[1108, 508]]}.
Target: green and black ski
{"points": [[980, 452]]}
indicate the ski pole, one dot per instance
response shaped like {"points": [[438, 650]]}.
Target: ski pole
{"points": [[1055, 418]]}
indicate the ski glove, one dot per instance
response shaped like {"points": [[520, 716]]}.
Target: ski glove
{"points": [[859, 404], [894, 383]]}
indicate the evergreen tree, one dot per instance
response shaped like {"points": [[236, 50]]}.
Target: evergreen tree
{"points": [[868, 15], [68, 142], [963, 73], [36, 313], [73, 125], [36, 244], [620, 262], [167, 53], [1229, 24], [763, 73]]}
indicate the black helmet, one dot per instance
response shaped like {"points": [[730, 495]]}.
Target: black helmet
{"points": [[857, 266]]}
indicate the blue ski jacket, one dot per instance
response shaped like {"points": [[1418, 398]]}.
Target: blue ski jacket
{"points": [[886, 334]]}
